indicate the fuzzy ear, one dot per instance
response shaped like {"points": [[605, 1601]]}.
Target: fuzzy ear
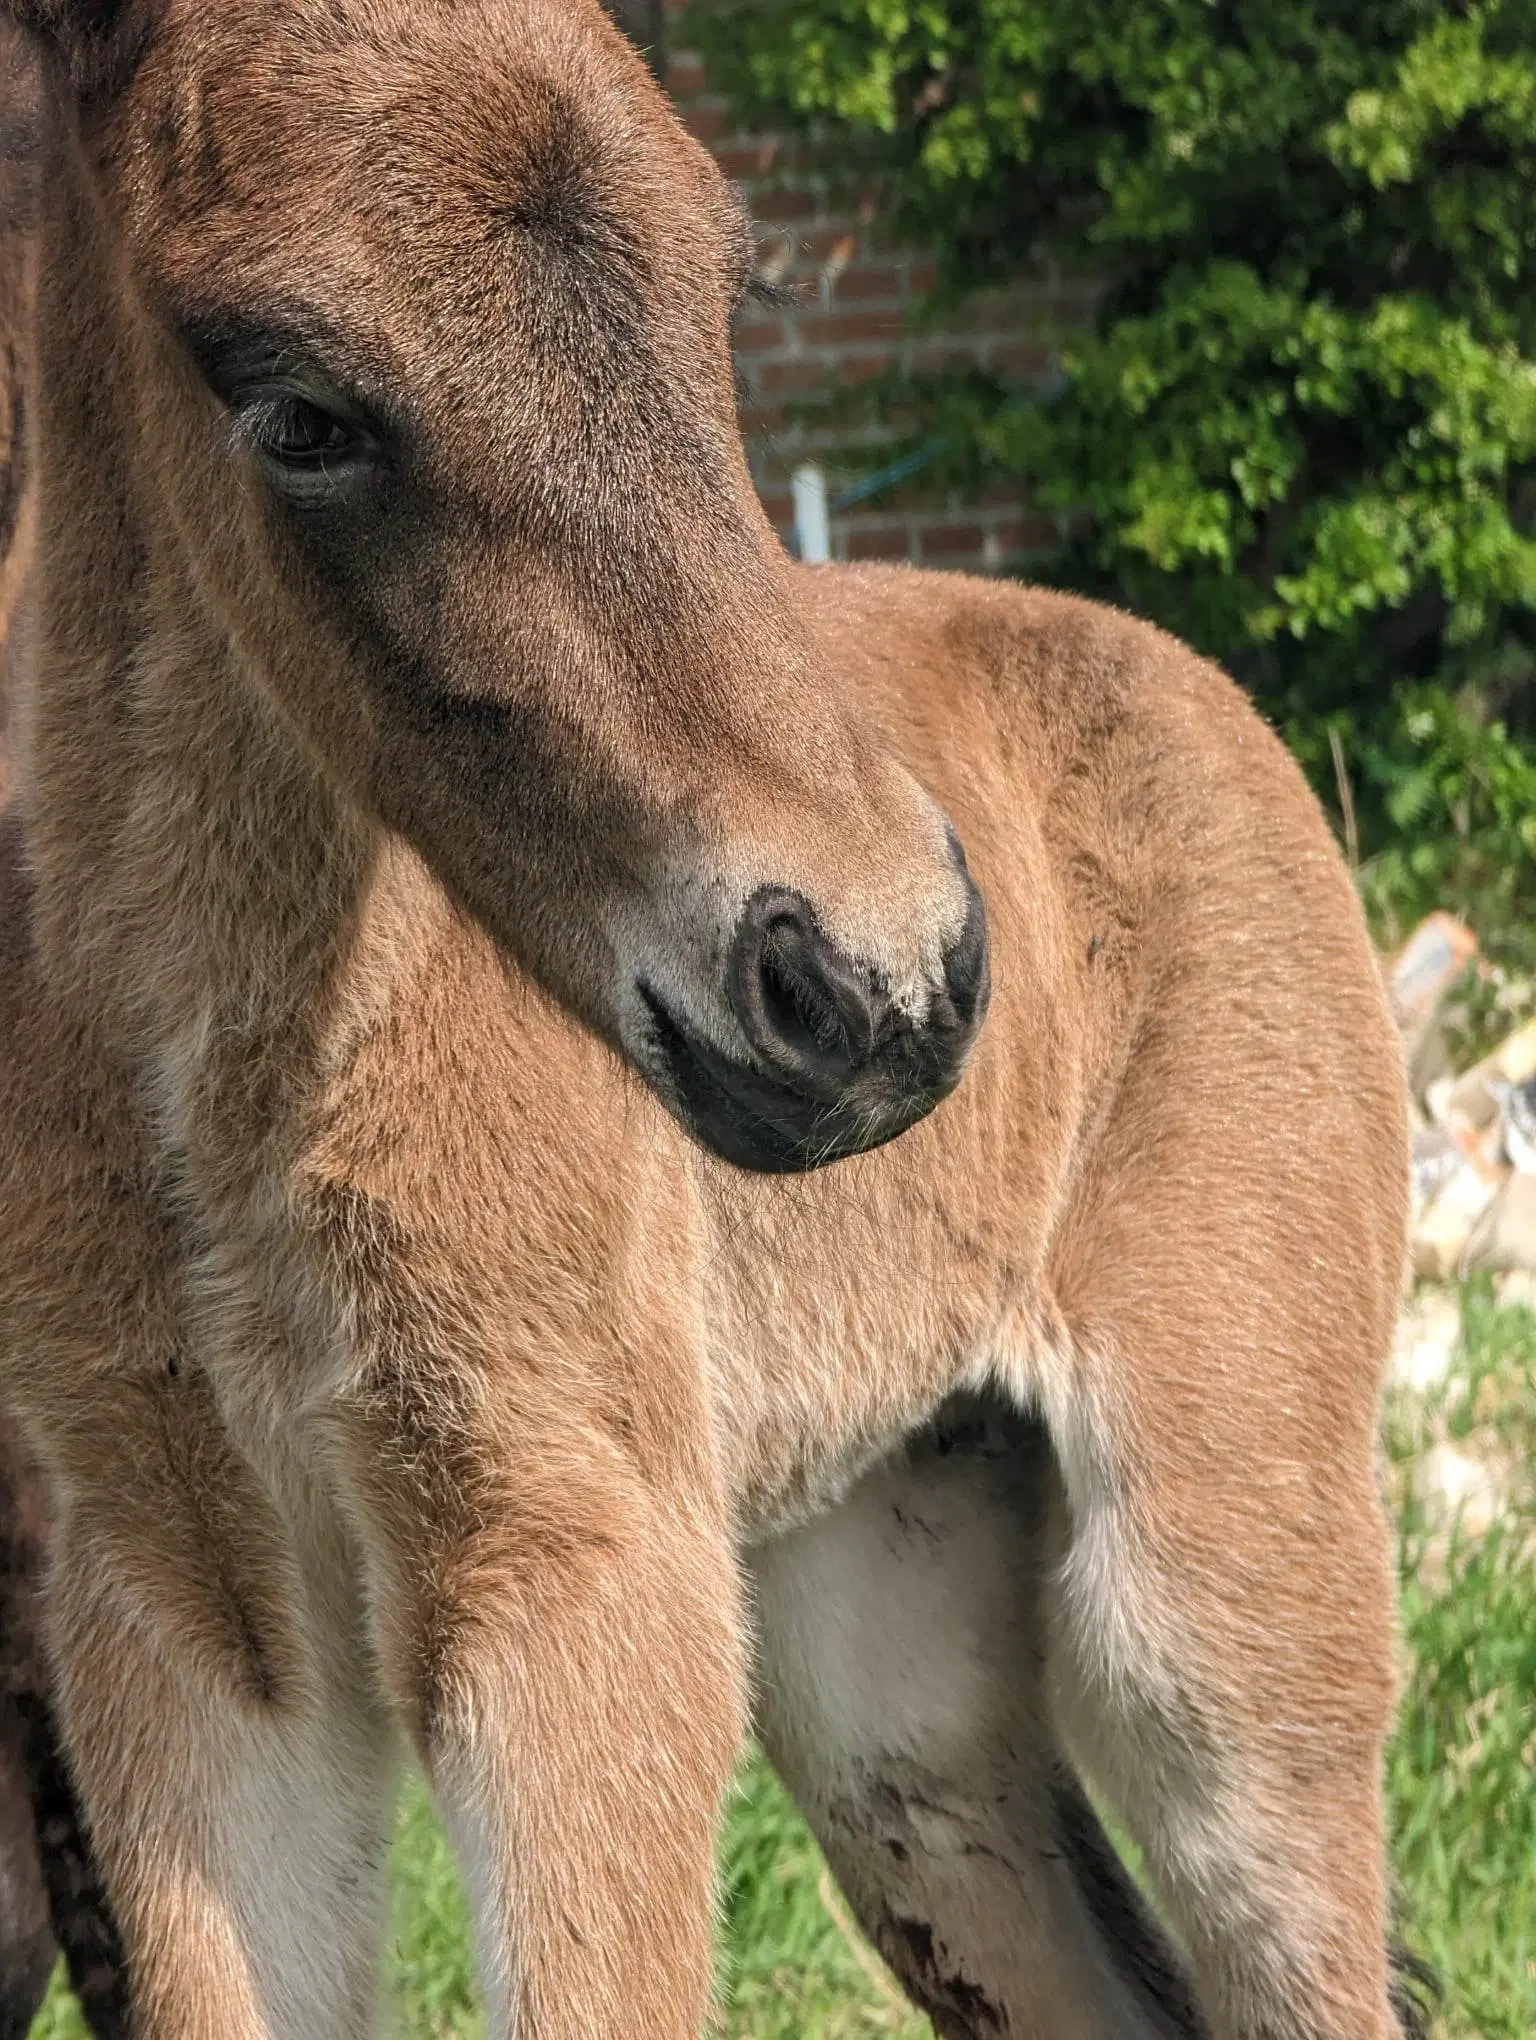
{"points": [[99, 41]]}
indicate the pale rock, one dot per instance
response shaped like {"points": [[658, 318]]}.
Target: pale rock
{"points": [[1453, 1488], [1428, 1340]]}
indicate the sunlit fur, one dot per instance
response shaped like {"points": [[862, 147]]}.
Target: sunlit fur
{"points": [[401, 1374]]}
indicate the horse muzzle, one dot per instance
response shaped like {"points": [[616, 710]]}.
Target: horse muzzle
{"points": [[835, 1066]]}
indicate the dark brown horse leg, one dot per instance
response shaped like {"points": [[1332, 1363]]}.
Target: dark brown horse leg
{"points": [[26, 1937], [48, 1876], [77, 1901]]}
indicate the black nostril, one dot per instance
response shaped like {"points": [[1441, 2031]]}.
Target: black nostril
{"points": [[805, 1007], [967, 971]]}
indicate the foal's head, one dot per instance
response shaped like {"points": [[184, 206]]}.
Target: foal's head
{"points": [[437, 302]]}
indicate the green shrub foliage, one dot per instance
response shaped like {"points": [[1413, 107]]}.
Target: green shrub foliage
{"points": [[1302, 429]]}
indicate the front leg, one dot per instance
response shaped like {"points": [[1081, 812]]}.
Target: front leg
{"points": [[223, 1721], [556, 1611]]}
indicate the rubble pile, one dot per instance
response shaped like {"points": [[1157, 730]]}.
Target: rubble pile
{"points": [[1474, 1209], [1474, 1134]]}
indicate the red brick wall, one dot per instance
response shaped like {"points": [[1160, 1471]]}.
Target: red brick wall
{"points": [[851, 318]]}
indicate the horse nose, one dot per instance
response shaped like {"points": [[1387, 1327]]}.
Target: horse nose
{"points": [[808, 1011]]}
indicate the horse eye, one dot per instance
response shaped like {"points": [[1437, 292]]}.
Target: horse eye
{"points": [[298, 434]]}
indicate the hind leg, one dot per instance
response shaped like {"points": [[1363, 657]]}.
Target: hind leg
{"points": [[903, 1699], [1221, 1662], [1224, 1283]]}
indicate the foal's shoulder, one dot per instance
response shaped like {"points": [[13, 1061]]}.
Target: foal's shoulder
{"points": [[1088, 713], [1046, 650], [1059, 674]]}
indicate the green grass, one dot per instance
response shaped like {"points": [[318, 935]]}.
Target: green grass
{"points": [[430, 1968], [1462, 1776], [1461, 1783]]}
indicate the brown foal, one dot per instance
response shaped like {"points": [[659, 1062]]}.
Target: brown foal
{"points": [[460, 882]]}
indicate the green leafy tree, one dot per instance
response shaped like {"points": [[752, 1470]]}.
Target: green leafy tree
{"points": [[1302, 431]]}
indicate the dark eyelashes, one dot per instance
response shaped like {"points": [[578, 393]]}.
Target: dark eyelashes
{"points": [[256, 414], [753, 287], [762, 290], [234, 356], [247, 359]]}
